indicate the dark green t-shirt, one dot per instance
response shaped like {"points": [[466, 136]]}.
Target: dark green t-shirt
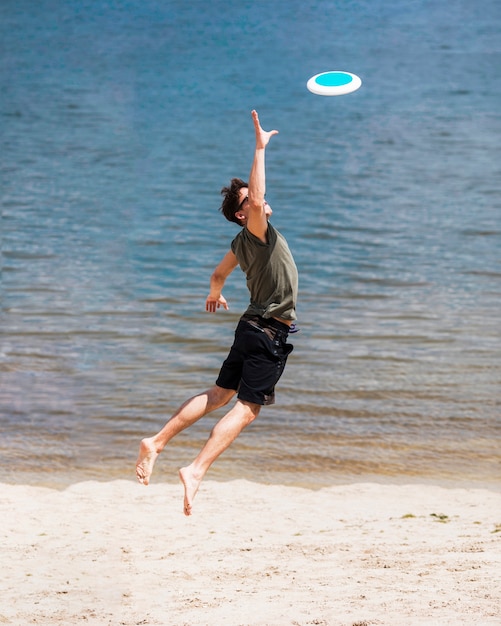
{"points": [[271, 273]]}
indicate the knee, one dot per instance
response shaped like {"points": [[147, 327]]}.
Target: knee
{"points": [[250, 411], [219, 397]]}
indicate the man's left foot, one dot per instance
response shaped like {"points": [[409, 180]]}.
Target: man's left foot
{"points": [[191, 485]]}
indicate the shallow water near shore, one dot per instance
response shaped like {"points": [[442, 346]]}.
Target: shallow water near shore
{"points": [[121, 124]]}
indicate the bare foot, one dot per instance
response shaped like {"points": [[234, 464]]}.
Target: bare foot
{"points": [[146, 460], [191, 484]]}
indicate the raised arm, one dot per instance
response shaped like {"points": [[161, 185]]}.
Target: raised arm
{"points": [[257, 222], [215, 299]]}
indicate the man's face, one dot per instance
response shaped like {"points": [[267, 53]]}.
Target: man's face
{"points": [[243, 207]]}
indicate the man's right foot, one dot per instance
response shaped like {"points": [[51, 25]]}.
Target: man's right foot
{"points": [[146, 460]]}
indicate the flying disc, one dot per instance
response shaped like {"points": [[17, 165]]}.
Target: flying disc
{"points": [[333, 83]]}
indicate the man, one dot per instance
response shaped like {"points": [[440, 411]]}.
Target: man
{"points": [[259, 352]]}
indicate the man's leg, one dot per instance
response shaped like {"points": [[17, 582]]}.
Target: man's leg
{"points": [[224, 433], [190, 412]]}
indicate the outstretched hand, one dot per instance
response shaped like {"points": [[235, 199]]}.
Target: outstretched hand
{"points": [[212, 304], [262, 136]]}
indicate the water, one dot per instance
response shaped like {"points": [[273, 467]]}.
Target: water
{"points": [[121, 121]]}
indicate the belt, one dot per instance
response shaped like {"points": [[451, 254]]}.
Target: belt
{"points": [[270, 326]]}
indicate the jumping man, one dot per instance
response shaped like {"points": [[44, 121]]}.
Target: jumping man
{"points": [[259, 352]]}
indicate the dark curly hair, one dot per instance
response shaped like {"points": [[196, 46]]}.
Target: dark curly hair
{"points": [[231, 199]]}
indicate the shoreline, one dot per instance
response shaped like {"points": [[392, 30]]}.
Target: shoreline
{"points": [[251, 554], [311, 481]]}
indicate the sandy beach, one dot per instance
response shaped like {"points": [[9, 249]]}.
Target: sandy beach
{"points": [[119, 553]]}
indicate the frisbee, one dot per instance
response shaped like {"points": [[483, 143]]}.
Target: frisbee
{"points": [[335, 83]]}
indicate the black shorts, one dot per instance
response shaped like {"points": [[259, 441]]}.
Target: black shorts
{"points": [[256, 359]]}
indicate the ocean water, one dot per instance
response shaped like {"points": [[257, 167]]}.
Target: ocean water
{"points": [[120, 123]]}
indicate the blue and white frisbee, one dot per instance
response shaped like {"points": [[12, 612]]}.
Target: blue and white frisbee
{"points": [[335, 83]]}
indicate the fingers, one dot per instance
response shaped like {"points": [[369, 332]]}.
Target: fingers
{"points": [[263, 134], [211, 305]]}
